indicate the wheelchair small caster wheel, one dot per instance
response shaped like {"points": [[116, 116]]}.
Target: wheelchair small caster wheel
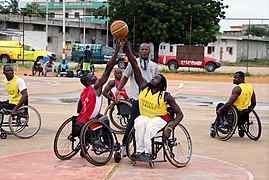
{"points": [[3, 135], [151, 164], [133, 163], [241, 133], [117, 157], [212, 134]]}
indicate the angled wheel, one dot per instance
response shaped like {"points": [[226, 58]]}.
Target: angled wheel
{"points": [[253, 127], [66, 146], [97, 143], [131, 144], [26, 123], [178, 147], [119, 114], [226, 126]]}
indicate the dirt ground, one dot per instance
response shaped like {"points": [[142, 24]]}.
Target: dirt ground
{"points": [[189, 77]]}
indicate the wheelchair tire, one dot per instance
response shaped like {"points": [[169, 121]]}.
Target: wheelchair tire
{"points": [[97, 142], [66, 146], [118, 120], [131, 144], [26, 123], [117, 157], [225, 134], [253, 127], [178, 147]]}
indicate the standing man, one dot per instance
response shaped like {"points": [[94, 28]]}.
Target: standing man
{"points": [[148, 70], [86, 67], [16, 89]]}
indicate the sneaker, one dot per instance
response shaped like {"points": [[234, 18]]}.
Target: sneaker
{"points": [[137, 156], [146, 157], [123, 151]]}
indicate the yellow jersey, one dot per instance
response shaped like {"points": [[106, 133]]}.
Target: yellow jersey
{"points": [[148, 103], [244, 99], [13, 90]]}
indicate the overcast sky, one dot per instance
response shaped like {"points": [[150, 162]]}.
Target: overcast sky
{"points": [[245, 9], [240, 9]]}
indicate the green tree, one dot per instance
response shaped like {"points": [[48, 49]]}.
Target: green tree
{"points": [[33, 10], [256, 31], [12, 6], [168, 20]]}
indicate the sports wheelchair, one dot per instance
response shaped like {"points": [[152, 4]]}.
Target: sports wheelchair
{"points": [[177, 148], [119, 114], [96, 142], [247, 122], [24, 125]]}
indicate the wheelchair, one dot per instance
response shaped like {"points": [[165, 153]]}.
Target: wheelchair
{"points": [[24, 125], [119, 114], [96, 142], [247, 122], [177, 148]]}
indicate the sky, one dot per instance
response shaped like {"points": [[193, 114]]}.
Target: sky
{"points": [[240, 9], [245, 9]]}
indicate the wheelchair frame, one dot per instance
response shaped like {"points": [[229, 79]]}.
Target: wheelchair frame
{"points": [[92, 142], [225, 127], [24, 125], [183, 146], [119, 121]]}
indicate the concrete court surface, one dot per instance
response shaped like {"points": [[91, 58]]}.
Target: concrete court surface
{"points": [[237, 158]]}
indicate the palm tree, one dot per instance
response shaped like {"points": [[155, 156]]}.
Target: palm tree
{"points": [[12, 6]]}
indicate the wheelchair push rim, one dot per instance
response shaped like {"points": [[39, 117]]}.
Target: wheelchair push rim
{"points": [[65, 145], [26, 123], [97, 143], [178, 147]]}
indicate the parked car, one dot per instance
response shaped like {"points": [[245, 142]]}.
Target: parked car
{"points": [[11, 51]]}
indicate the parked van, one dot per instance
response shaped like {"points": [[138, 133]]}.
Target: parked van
{"points": [[15, 51], [100, 53]]}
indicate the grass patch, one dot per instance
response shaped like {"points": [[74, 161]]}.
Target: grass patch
{"points": [[249, 63]]}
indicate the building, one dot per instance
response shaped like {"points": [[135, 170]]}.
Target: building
{"points": [[33, 29], [233, 46]]}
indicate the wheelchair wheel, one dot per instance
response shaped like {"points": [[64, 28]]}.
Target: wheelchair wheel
{"points": [[26, 123], [131, 144], [97, 143], [5, 124], [178, 147], [253, 127], [65, 145], [226, 126], [119, 114]]}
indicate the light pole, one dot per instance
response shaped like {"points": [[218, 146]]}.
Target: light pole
{"points": [[107, 19], [84, 19], [63, 50], [47, 27]]}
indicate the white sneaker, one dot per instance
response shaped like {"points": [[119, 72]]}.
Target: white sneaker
{"points": [[123, 151]]}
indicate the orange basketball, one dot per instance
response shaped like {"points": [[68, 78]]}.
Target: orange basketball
{"points": [[119, 29]]}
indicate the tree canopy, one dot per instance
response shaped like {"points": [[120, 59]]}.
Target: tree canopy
{"points": [[257, 31], [10, 6], [33, 10], [173, 21]]}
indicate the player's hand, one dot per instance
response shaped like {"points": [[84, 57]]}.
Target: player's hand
{"points": [[118, 44], [124, 41], [117, 95], [13, 113], [167, 133], [218, 112], [116, 101]]}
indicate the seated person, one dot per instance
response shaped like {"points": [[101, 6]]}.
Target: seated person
{"points": [[242, 97], [16, 89], [49, 66], [62, 68], [90, 101], [37, 68], [153, 101], [111, 87]]}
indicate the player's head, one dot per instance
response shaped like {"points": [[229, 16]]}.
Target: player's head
{"points": [[159, 81], [239, 77], [88, 79], [118, 73], [8, 72]]}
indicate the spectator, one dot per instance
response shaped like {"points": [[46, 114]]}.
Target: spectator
{"points": [[63, 68]]}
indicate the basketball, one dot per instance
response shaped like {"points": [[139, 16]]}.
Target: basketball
{"points": [[119, 29]]}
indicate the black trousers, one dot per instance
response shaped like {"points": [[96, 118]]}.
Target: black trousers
{"points": [[134, 114]]}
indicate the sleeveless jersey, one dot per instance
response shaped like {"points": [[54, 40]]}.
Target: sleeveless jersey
{"points": [[91, 104], [148, 105], [123, 93], [244, 99], [13, 90]]}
